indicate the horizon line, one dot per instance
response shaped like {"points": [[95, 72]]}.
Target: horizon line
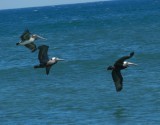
{"points": [[56, 5]]}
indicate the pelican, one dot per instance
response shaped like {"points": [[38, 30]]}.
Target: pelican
{"points": [[27, 39], [116, 70], [44, 60]]}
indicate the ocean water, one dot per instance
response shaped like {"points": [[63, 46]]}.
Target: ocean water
{"points": [[79, 90]]}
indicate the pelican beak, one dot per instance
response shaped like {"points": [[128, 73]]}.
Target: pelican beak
{"points": [[132, 64], [41, 37], [60, 59]]}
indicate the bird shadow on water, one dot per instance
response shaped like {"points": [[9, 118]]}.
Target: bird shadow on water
{"points": [[120, 114]]}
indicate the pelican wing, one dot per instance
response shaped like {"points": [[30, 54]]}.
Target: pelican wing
{"points": [[122, 59], [43, 54], [48, 69], [26, 35], [118, 80], [31, 46]]}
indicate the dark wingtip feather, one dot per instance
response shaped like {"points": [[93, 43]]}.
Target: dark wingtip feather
{"points": [[34, 50], [47, 73], [118, 89], [131, 54]]}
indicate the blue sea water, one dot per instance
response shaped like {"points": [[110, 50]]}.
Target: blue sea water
{"points": [[79, 90]]}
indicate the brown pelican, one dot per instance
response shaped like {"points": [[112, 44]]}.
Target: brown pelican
{"points": [[116, 70], [27, 39], [44, 60]]}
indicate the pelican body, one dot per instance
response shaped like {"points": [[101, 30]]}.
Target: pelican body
{"points": [[44, 60], [27, 39], [119, 65]]}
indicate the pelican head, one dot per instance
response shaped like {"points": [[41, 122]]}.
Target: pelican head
{"points": [[126, 64]]}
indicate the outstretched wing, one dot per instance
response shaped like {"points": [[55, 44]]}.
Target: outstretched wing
{"points": [[31, 46], [25, 35], [43, 54], [118, 79], [122, 59]]}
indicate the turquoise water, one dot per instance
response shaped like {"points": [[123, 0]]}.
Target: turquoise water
{"points": [[80, 90]]}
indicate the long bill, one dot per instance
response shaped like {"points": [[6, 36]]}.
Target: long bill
{"points": [[40, 37], [132, 64], [60, 59]]}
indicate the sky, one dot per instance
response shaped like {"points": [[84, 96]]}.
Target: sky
{"points": [[11, 4]]}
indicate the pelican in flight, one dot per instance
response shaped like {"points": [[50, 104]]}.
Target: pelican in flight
{"points": [[116, 70], [44, 60], [27, 39]]}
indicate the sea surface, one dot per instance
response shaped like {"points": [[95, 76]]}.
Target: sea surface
{"points": [[79, 90]]}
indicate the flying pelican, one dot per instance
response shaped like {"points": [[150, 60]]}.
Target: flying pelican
{"points": [[44, 60], [27, 39], [116, 70]]}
